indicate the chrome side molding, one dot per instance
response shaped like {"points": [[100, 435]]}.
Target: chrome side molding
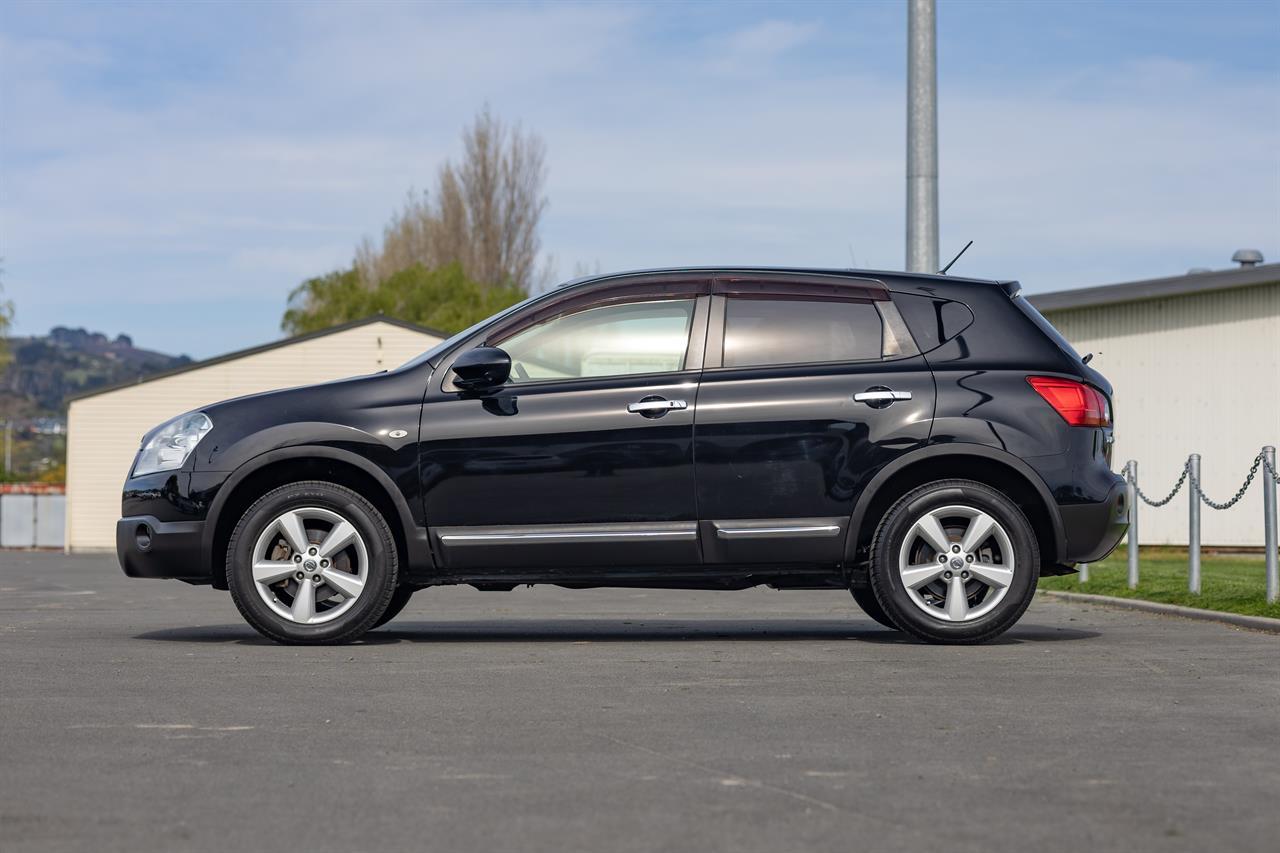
{"points": [[778, 528], [663, 531], [527, 534]]}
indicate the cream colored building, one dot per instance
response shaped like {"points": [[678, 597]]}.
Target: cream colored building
{"points": [[1195, 361], [104, 427]]}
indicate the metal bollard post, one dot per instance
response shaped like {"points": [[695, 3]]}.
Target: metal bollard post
{"points": [[1131, 494], [1193, 534], [1084, 573], [1269, 523]]}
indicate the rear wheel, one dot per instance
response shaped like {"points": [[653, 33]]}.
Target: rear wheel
{"points": [[867, 601], [954, 561], [312, 562]]}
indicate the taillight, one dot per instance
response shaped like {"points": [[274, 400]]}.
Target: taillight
{"points": [[1078, 403]]}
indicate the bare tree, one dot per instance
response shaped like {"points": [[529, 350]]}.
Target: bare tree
{"points": [[484, 214], [6, 319]]}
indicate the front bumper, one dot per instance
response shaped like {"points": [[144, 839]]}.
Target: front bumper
{"points": [[150, 548], [1093, 530]]}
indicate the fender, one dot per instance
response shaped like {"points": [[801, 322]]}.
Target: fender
{"points": [[934, 451], [415, 535]]}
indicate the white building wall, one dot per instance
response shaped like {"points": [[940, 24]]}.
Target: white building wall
{"points": [[1192, 374], [104, 431]]}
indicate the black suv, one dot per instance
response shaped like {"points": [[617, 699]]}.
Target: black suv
{"points": [[930, 444]]}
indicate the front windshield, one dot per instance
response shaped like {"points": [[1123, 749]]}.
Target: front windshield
{"points": [[447, 344]]}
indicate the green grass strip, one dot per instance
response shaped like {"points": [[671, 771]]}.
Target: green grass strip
{"points": [[1233, 583]]}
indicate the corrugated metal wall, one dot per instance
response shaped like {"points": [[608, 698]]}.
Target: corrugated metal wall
{"points": [[32, 520], [103, 431], [1197, 373]]}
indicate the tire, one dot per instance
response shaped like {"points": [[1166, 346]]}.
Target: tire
{"points": [[348, 564], [980, 588], [399, 600], [867, 601]]}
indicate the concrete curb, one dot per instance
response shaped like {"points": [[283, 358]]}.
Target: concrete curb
{"points": [[1256, 623]]}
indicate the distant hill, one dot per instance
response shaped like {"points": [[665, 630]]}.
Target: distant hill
{"points": [[46, 369]]}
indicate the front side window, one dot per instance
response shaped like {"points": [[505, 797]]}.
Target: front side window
{"points": [[613, 340], [798, 331]]}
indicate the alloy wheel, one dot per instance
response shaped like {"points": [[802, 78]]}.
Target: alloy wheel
{"points": [[956, 563], [310, 565]]}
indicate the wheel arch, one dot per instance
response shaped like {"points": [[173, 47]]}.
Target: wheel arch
{"points": [[278, 467], [988, 465]]}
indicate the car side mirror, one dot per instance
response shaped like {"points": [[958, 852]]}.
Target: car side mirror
{"points": [[481, 369]]}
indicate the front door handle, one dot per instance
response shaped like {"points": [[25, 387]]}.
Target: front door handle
{"points": [[878, 398], [655, 407]]}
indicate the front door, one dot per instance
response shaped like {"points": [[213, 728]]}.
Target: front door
{"points": [[585, 457], [810, 387]]}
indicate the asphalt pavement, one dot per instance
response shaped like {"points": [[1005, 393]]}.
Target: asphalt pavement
{"points": [[144, 715]]}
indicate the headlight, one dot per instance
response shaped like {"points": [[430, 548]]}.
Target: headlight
{"points": [[172, 444]]}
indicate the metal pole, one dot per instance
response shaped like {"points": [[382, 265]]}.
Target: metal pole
{"points": [[922, 137], [1193, 518], [8, 448], [1131, 494], [1084, 573], [1269, 523]]}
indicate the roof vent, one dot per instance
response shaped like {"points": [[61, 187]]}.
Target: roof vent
{"points": [[1247, 257]]}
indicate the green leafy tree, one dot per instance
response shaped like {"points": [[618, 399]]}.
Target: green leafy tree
{"points": [[443, 299]]}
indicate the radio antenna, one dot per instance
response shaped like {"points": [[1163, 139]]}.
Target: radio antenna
{"points": [[943, 271]]}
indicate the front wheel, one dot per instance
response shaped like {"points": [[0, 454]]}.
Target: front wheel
{"points": [[312, 562], [954, 561], [399, 601]]}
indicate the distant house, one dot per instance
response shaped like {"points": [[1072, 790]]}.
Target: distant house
{"points": [[104, 427], [1195, 361], [49, 426]]}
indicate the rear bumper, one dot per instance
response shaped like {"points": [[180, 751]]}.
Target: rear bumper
{"points": [[149, 548], [1093, 530]]}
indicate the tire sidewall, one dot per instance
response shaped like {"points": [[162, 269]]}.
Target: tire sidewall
{"points": [[399, 601], [379, 584], [866, 599], [893, 530]]}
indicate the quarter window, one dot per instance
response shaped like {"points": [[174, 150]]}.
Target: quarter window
{"points": [[613, 340], [794, 331]]}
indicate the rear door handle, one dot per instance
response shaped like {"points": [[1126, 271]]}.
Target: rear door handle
{"points": [[655, 408], [881, 397]]}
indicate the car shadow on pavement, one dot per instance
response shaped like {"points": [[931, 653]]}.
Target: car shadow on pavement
{"points": [[618, 631]]}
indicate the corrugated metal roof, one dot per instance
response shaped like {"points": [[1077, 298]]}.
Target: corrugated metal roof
{"points": [[1156, 288]]}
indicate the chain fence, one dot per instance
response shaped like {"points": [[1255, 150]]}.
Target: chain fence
{"points": [[1195, 485], [1190, 477]]}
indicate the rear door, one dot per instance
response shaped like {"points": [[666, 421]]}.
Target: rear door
{"points": [[810, 386]]}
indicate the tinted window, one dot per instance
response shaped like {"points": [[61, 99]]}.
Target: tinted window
{"points": [[614, 340], [932, 321], [778, 331]]}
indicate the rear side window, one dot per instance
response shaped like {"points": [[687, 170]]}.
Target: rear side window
{"points": [[933, 321], [799, 331]]}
